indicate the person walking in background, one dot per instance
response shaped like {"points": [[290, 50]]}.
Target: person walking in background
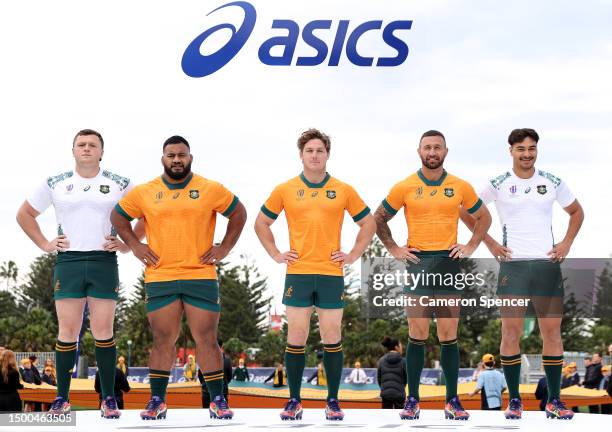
{"points": [[278, 375], [121, 365], [593, 377], [491, 383], [227, 377], [190, 370], [121, 385], [605, 385], [241, 373], [9, 382], [541, 393], [391, 375], [358, 375]]}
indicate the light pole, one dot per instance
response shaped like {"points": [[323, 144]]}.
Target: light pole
{"points": [[129, 342]]}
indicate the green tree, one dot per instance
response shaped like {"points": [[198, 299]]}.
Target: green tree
{"points": [[272, 348], [37, 291], [243, 302], [9, 272]]}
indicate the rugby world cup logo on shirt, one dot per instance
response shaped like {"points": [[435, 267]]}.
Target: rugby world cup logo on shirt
{"points": [[300, 194], [330, 41], [513, 189]]}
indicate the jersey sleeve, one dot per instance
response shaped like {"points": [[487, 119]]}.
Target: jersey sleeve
{"points": [[225, 201], [274, 204], [128, 188], [41, 198], [395, 199], [470, 201], [130, 206], [356, 207], [480, 381], [564, 195], [488, 193]]}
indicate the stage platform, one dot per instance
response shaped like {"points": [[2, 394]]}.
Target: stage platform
{"points": [[185, 420]]}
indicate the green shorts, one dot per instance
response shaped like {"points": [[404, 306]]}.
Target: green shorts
{"points": [[86, 274], [201, 293], [322, 291], [532, 278], [434, 274]]}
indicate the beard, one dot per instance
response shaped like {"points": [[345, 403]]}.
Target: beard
{"points": [[432, 163], [178, 175]]}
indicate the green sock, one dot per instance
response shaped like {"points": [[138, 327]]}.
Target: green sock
{"points": [[512, 371], [415, 361], [214, 383], [295, 360], [158, 380], [65, 357], [333, 357], [553, 366], [106, 357], [449, 360]]}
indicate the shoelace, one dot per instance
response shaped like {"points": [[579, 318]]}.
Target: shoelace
{"points": [[153, 404], [456, 405], [410, 404], [57, 403], [111, 403], [334, 405], [559, 404], [221, 403], [291, 405]]}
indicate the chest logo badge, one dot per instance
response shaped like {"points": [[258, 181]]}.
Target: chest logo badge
{"points": [[513, 189], [331, 194], [300, 194], [433, 192], [69, 188], [194, 194], [104, 189], [418, 193], [314, 194], [449, 192], [542, 189], [86, 188], [176, 195], [527, 190]]}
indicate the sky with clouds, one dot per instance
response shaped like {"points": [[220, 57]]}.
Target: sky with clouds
{"points": [[476, 70]]}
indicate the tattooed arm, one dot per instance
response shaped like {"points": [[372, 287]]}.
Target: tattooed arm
{"points": [[382, 217]]}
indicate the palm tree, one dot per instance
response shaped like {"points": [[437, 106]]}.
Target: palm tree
{"points": [[9, 272]]}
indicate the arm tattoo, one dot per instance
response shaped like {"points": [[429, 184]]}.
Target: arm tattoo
{"points": [[382, 216]]}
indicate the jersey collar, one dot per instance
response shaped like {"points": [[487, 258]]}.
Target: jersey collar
{"points": [[430, 182], [180, 185], [315, 185]]}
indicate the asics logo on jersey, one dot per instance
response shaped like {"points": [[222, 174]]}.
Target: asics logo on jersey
{"points": [[329, 43]]}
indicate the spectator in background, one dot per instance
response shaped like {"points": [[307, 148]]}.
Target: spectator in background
{"points": [[227, 377], [391, 375], [9, 382], [121, 385], [319, 375], [121, 365], [492, 384], [358, 375], [278, 375], [48, 377], [479, 368], [241, 373], [570, 376], [27, 373], [190, 370], [593, 377], [34, 363], [49, 363], [541, 392], [605, 385]]}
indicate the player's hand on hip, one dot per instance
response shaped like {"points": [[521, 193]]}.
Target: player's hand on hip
{"points": [[458, 251], [288, 257], [501, 253], [113, 244], [144, 253], [214, 255], [59, 244], [559, 251], [405, 254]]}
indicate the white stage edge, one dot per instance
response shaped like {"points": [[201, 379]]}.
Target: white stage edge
{"points": [[186, 420]]}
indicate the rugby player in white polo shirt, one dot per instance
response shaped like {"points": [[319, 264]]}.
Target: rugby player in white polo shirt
{"points": [[530, 262], [86, 266]]}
